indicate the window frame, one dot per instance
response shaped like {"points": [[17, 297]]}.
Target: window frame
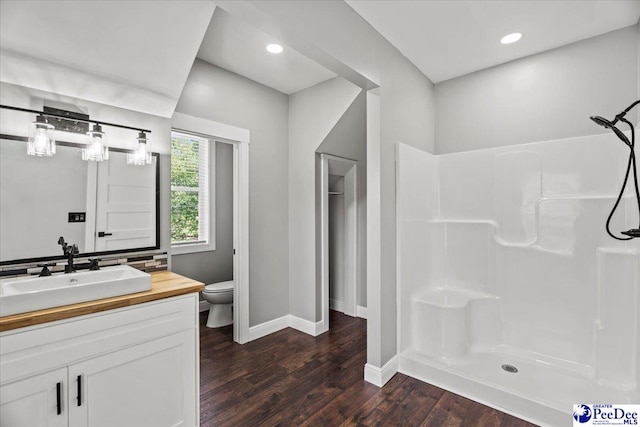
{"points": [[210, 243]]}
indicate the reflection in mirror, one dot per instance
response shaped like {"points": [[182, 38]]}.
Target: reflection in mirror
{"points": [[102, 207]]}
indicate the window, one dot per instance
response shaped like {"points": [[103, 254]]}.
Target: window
{"points": [[191, 201]]}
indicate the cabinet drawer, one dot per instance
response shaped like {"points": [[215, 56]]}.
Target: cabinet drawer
{"points": [[39, 348]]}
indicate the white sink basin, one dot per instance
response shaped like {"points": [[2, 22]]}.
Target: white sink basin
{"points": [[29, 294]]}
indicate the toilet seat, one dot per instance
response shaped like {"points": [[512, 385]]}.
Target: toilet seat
{"points": [[219, 287]]}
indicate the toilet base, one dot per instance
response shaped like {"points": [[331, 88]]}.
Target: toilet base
{"points": [[220, 315]]}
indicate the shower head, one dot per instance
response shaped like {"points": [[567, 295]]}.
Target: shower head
{"points": [[634, 232], [611, 125], [602, 122]]}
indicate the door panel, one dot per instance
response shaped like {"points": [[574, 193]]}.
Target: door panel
{"points": [[33, 402], [125, 204], [148, 385]]}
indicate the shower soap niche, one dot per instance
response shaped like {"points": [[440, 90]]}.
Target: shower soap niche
{"points": [[459, 320]]}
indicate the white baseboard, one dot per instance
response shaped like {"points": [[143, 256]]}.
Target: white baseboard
{"points": [[361, 311], [269, 327], [380, 376], [288, 321], [336, 305], [204, 306], [306, 326]]}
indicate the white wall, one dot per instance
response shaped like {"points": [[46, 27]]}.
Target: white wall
{"points": [[313, 113], [215, 266], [541, 97], [218, 95]]}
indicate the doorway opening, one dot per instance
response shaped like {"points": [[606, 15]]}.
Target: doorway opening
{"points": [[238, 139], [339, 235]]}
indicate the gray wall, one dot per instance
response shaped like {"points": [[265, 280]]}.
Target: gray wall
{"points": [[353, 49], [313, 113], [218, 95], [215, 266], [541, 97], [348, 138]]}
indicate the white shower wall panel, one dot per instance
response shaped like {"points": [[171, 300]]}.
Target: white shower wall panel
{"points": [[519, 234], [421, 253], [466, 185]]}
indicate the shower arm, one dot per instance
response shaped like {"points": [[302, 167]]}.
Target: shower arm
{"points": [[620, 117]]}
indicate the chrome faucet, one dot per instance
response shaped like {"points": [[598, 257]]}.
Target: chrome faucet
{"points": [[69, 251]]}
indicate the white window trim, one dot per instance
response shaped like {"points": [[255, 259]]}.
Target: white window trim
{"points": [[189, 248]]}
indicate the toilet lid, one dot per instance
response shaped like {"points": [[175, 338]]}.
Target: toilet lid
{"points": [[219, 287]]}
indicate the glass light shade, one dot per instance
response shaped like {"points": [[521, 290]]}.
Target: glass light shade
{"points": [[141, 155], [42, 141], [96, 149]]}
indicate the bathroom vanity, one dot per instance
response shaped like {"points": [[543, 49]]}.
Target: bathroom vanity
{"points": [[131, 360]]}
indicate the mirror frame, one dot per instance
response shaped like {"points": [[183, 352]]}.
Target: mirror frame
{"points": [[94, 254]]}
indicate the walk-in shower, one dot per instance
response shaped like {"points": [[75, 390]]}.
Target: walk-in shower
{"points": [[631, 166], [510, 291]]}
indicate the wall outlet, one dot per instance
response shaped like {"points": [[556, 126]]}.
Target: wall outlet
{"points": [[77, 216]]}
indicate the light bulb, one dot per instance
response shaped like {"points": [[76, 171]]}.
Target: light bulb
{"points": [[511, 38], [274, 48], [96, 150], [41, 138], [141, 155]]}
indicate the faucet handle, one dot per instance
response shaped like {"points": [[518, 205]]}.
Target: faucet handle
{"points": [[45, 269], [74, 249], [94, 264]]}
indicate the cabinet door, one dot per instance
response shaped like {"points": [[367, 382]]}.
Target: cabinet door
{"points": [[148, 385], [37, 401]]}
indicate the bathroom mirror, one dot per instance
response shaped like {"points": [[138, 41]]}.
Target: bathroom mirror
{"points": [[103, 207]]}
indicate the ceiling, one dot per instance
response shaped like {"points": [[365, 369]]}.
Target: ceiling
{"points": [[236, 46], [137, 54], [447, 39], [134, 55]]}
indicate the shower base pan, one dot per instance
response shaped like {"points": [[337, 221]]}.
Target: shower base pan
{"points": [[539, 393]]}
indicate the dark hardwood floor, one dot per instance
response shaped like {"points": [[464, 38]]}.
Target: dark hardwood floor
{"points": [[290, 379]]}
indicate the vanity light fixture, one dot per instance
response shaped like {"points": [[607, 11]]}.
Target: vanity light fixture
{"points": [[96, 149], [141, 155], [42, 140], [511, 38], [274, 48]]}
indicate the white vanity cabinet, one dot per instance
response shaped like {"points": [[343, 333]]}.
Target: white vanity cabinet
{"points": [[136, 366]]}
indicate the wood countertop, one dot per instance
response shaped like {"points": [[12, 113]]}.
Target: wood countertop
{"points": [[164, 284]]}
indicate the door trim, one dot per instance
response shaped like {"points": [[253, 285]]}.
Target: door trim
{"points": [[240, 139]]}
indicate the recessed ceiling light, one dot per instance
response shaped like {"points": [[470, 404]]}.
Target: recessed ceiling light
{"points": [[274, 48], [511, 38]]}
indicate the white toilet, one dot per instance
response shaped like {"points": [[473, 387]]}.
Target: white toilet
{"points": [[220, 296]]}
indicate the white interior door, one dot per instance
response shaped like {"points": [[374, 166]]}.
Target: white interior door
{"points": [[36, 401], [125, 204]]}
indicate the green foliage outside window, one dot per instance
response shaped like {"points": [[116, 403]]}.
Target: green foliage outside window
{"points": [[185, 159]]}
